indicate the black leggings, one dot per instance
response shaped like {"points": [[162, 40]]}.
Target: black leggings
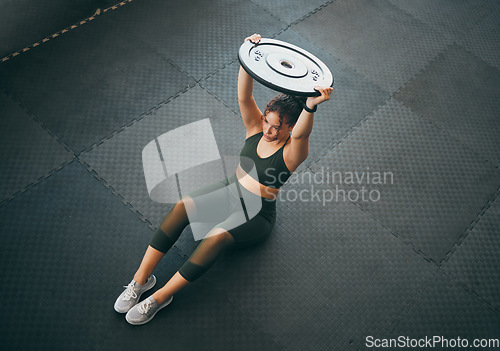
{"points": [[237, 223]]}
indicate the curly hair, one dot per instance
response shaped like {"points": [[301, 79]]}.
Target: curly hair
{"points": [[288, 107]]}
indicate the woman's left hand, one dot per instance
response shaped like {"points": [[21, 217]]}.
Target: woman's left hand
{"points": [[316, 100]]}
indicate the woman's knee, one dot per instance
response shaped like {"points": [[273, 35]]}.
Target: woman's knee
{"points": [[219, 236], [185, 205]]}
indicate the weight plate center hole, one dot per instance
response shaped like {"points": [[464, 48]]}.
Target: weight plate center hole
{"points": [[287, 64]]}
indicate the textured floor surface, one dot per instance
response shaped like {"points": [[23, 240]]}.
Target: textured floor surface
{"points": [[390, 228]]}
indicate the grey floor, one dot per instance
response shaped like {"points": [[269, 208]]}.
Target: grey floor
{"points": [[416, 97]]}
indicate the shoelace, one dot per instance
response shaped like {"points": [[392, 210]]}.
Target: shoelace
{"points": [[130, 292], [144, 307]]}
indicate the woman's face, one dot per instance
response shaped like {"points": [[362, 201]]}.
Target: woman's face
{"points": [[272, 129]]}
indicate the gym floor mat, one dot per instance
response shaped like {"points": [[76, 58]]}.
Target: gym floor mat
{"points": [[459, 93], [200, 38], [455, 19], [445, 308], [475, 261], [289, 11], [28, 151], [388, 48], [83, 93], [67, 248], [424, 186], [483, 40]]}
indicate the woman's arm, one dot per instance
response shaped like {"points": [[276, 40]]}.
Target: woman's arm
{"points": [[299, 144], [250, 112], [303, 126]]}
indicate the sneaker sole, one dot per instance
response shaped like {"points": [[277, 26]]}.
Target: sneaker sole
{"points": [[154, 314], [139, 295]]}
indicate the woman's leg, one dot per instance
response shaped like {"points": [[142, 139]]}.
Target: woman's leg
{"points": [[216, 241], [170, 229], [205, 204]]}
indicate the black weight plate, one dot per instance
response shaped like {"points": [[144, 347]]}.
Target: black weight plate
{"points": [[284, 67]]}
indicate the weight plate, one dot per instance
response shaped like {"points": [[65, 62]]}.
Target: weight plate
{"points": [[284, 67]]}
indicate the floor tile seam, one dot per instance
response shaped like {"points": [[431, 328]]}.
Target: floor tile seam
{"points": [[35, 183], [429, 62], [274, 35], [354, 69], [37, 120], [350, 131], [436, 58], [220, 100], [307, 15], [453, 41], [480, 214], [116, 193], [476, 56], [395, 234], [471, 225], [98, 12], [230, 62], [423, 68], [159, 54], [445, 131], [266, 10], [434, 125], [452, 38], [390, 230], [436, 29], [217, 70], [470, 290], [136, 120]]}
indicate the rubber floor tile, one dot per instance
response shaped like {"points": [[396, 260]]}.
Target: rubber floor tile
{"points": [[289, 11], [90, 82], [475, 261], [412, 177], [375, 38], [352, 99], [327, 269], [455, 19], [201, 37], [28, 151], [459, 93], [70, 245], [445, 309]]}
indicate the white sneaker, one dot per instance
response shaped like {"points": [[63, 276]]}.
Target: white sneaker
{"points": [[132, 294], [144, 311]]}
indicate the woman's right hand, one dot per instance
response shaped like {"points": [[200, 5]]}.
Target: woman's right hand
{"points": [[255, 38]]}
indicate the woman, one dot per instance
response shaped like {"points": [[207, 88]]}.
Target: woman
{"points": [[275, 153]]}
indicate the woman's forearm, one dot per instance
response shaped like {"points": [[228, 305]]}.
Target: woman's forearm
{"points": [[303, 126]]}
